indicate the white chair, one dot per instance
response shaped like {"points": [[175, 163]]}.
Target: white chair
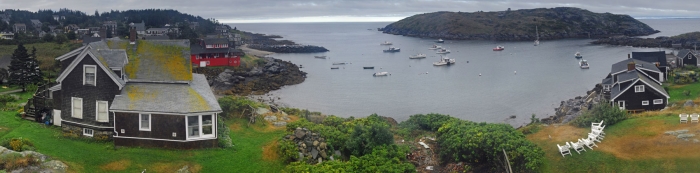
{"points": [[694, 118], [578, 147], [564, 150], [598, 130], [684, 118], [594, 137], [588, 142], [599, 134], [597, 124]]}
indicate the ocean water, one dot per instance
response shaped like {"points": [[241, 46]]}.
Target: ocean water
{"points": [[483, 86]]}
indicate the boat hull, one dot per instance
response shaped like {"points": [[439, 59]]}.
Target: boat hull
{"points": [[367, 67]]}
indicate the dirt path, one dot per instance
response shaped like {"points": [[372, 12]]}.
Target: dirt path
{"points": [[255, 52]]}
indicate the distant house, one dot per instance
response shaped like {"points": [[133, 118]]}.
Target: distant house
{"points": [[19, 27], [140, 28], [94, 30], [214, 52], [72, 28], [222, 29], [36, 23], [149, 102], [636, 85], [686, 57], [156, 31], [658, 58], [7, 35], [111, 27]]}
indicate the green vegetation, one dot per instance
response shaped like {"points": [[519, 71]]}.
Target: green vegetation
{"points": [[45, 53], [600, 111], [13, 161], [18, 144], [381, 159]]}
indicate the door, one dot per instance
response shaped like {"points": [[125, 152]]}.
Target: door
{"points": [[57, 117], [621, 104]]}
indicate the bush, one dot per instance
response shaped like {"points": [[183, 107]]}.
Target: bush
{"points": [[6, 98], [430, 122], [13, 161], [234, 105], [390, 158], [17, 144], [223, 135], [287, 150], [601, 111]]}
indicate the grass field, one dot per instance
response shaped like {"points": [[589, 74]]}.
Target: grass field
{"points": [[46, 52], [253, 150], [677, 92], [634, 145]]}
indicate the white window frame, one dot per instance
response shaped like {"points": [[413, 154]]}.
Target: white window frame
{"points": [[621, 104], [639, 88], [97, 111], [88, 132], [658, 101], [149, 122], [645, 102], [201, 132], [85, 74], [72, 105]]}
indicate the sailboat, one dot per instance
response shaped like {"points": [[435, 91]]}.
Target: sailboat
{"points": [[537, 41]]}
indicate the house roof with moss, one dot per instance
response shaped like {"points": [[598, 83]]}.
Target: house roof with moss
{"points": [[177, 98], [156, 60]]}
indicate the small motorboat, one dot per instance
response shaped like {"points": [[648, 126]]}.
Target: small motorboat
{"points": [[439, 41], [443, 51], [499, 48], [445, 61], [321, 57], [372, 67], [381, 74], [434, 47], [578, 55], [392, 49], [339, 63], [417, 56], [584, 64], [386, 43], [334, 68]]}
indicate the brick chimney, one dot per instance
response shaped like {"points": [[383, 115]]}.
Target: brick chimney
{"points": [[103, 33], [630, 66], [132, 35]]}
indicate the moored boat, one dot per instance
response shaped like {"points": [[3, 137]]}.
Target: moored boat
{"points": [[392, 49], [445, 61], [439, 41], [442, 51], [499, 48], [333, 68], [435, 47], [339, 63], [386, 43], [537, 41], [321, 57], [583, 64], [578, 55], [417, 56], [381, 74], [372, 67]]}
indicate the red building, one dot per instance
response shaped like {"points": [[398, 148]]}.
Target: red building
{"points": [[214, 52]]}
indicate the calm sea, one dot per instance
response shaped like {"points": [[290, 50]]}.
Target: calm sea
{"points": [[484, 86]]}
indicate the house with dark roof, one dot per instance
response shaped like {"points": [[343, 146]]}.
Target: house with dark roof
{"points": [[214, 52], [148, 99], [636, 85], [19, 27], [36, 23], [686, 57], [140, 27], [657, 58]]}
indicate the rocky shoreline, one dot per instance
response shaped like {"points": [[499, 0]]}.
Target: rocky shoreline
{"points": [[665, 42], [568, 110], [270, 43], [255, 80]]}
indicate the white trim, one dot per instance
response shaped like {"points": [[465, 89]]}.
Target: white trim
{"points": [[189, 140], [650, 77], [72, 107], [85, 74], [97, 111], [75, 63], [149, 123], [621, 105], [169, 113], [101, 127], [639, 88], [200, 130], [70, 54], [645, 102], [661, 101], [92, 132], [621, 92]]}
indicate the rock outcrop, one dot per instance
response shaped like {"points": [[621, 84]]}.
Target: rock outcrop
{"points": [[683, 41], [570, 109], [310, 145], [259, 79], [44, 164], [519, 25], [288, 48]]}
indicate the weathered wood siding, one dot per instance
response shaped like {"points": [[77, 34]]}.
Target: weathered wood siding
{"points": [[165, 144], [633, 100], [162, 126]]}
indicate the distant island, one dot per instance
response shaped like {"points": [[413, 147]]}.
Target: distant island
{"points": [[682, 41], [519, 25]]}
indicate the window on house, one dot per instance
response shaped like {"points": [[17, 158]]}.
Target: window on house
{"points": [[77, 104], [145, 122], [207, 125], [658, 101], [645, 102], [639, 88], [89, 76], [88, 132], [102, 114], [193, 126]]}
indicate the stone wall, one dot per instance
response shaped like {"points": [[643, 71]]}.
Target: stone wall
{"points": [[311, 145], [77, 131]]}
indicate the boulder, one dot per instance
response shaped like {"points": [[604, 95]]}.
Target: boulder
{"points": [[314, 153], [323, 154], [299, 134], [279, 124], [270, 118], [689, 103]]}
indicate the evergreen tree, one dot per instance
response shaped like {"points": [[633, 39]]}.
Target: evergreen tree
{"points": [[71, 35], [24, 68]]}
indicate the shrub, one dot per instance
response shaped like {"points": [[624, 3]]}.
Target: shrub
{"points": [[430, 122], [287, 150], [5, 98], [13, 161], [17, 144], [601, 111], [234, 105], [223, 134], [390, 158]]}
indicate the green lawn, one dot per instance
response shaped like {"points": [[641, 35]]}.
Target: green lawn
{"points": [[676, 92], [89, 156]]}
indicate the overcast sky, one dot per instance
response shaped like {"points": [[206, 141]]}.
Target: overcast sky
{"points": [[238, 11]]}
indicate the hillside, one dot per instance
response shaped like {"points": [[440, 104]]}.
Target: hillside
{"points": [[682, 41], [553, 23]]}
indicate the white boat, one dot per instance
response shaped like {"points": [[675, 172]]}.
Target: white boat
{"points": [[435, 47], [499, 48], [583, 63], [386, 43], [445, 61], [440, 41], [321, 57], [537, 41], [417, 56], [442, 51], [392, 49], [339, 63], [381, 74], [578, 55]]}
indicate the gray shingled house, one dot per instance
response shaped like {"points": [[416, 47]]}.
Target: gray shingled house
{"points": [[636, 85]]}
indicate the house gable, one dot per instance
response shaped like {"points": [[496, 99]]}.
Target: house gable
{"points": [[91, 56], [633, 100]]}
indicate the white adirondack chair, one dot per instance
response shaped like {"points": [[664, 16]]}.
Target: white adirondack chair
{"points": [[564, 150], [597, 124], [578, 147], [594, 137], [598, 130], [694, 118], [588, 142], [684, 118]]}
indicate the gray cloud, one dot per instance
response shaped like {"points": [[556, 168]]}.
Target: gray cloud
{"points": [[238, 10]]}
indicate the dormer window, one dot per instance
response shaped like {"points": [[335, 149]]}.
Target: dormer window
{"points": [[89, 75]]}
